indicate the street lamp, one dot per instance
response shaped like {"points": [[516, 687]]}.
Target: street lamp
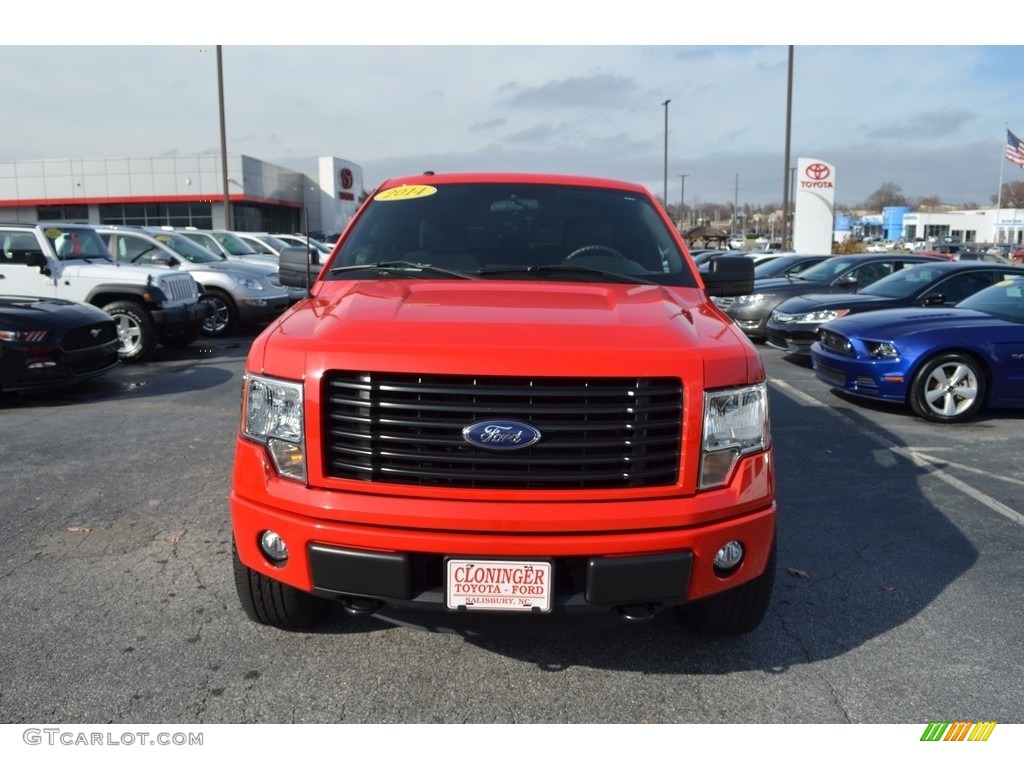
{"points": [[665, 193], [223, 142], [682, 200], [789, 128]]}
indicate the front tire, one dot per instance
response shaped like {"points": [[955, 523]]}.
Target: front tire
{"points": [[737, 611], [135, 329], [270, 602], [224, 318], [948, 388]]}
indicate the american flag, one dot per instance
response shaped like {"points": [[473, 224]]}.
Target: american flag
{"points": [[1014, 150]]}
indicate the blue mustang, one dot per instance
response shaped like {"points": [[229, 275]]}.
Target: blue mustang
{"points": [[945, 363]]}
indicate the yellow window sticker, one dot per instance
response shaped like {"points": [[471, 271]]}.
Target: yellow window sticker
{"points": [[406, 192], [52, 233]]}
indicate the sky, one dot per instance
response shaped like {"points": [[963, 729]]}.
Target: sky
{"points": [[535, 86]]}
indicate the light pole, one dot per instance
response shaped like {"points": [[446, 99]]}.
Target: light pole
{"points": [[665, 193], [682, 200], [223, 143], [789, 124]]}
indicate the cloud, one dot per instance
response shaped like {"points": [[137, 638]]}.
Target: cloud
{"points": [[928, 125], [599, 91]]}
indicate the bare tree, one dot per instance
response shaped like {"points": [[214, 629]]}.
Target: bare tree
{"points": [[1013, 195], [888, 194]]}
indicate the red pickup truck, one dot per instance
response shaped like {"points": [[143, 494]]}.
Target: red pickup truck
{"points": [[507, 399]]}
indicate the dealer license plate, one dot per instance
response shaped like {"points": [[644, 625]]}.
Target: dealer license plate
{"points": [[498, 585]]}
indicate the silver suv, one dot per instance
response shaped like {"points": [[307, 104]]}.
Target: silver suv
{"points": [[70, 261], [240, 293]]}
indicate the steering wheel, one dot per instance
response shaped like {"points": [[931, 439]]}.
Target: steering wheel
{"points": [[596, 249]]}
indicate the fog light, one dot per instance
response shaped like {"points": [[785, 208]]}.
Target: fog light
{"points": [[273, 547], [728, 558]]}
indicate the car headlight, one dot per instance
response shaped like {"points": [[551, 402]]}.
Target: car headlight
{"points": [[272, 415], [246, 282], [821, 315], [885, 350], [23, 336], [735, 425], [751, 298]]}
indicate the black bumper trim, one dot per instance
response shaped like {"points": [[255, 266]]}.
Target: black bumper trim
{"points": [[408, 580]]}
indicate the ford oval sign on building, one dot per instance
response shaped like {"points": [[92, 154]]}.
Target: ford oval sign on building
{"points": [[814, 206], [501, 435]]}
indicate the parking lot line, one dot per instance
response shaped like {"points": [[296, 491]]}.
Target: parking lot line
{"points": [[920, 460]]}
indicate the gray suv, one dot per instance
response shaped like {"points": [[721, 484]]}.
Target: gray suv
{"points": [[240, 293]]}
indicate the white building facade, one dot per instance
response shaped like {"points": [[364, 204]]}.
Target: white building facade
{"points": [[1004, 226], [183, 190]]}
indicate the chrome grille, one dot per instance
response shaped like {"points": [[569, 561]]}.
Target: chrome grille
{"points": [[179, 289], [596, 433]]}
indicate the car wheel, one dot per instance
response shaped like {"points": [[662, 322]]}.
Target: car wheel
{"points": [[224, 318], [948, 388], [270, 602], [135, 329], [737, 611]]}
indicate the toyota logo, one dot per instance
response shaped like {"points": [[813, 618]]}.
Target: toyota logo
{"points": [[346, 178], [817, 171]]}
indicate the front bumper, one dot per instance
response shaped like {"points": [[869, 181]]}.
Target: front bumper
{"points": [[258, 310], [875, 379], [174, 319], [796, 340], [594, 571]]}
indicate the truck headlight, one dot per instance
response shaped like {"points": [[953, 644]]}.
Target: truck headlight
{"points": [[272, 415], [735, 424]]}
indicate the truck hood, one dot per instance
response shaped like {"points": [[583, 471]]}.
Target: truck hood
{"points": [[499, 327]]}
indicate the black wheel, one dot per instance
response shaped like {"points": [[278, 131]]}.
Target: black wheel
{"points": [[948, 388], [588, 250], [737, 611], [181, 339], [270, 602], [224, 318], [135, 329]]}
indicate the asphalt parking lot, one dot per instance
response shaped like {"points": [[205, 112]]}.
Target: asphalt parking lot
{"points": [[897, 601]]}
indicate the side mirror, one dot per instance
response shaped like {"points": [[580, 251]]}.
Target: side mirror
{"points": [[36, 259], [729, 276], [297, 267]]}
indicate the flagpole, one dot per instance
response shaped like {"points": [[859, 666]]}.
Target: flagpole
{"points": [[999, 195]]}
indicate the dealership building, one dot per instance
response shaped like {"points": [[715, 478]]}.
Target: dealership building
{"points": [[318, 194]]}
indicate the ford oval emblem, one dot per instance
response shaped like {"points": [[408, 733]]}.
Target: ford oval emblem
{"points": [[501, 435]]}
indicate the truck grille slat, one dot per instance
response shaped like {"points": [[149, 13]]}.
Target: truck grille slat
{"points": [[596, 433]]}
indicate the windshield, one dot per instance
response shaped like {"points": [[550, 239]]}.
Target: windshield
{"points": [[775, 267], [1004, 300], [516, 231], [188, 249], [233, 245], [904, 283], [827, 270], [76, 243]]}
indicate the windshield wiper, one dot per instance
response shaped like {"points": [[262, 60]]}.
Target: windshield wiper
{"points": [[408, 268], [572, 269]]}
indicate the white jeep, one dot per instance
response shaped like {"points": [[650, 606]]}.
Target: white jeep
{"points": [[70, 261]]}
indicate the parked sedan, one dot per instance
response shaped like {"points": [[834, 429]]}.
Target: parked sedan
{"points": [[793, 325], [48, 343], [946, 364], [839, 274]]}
